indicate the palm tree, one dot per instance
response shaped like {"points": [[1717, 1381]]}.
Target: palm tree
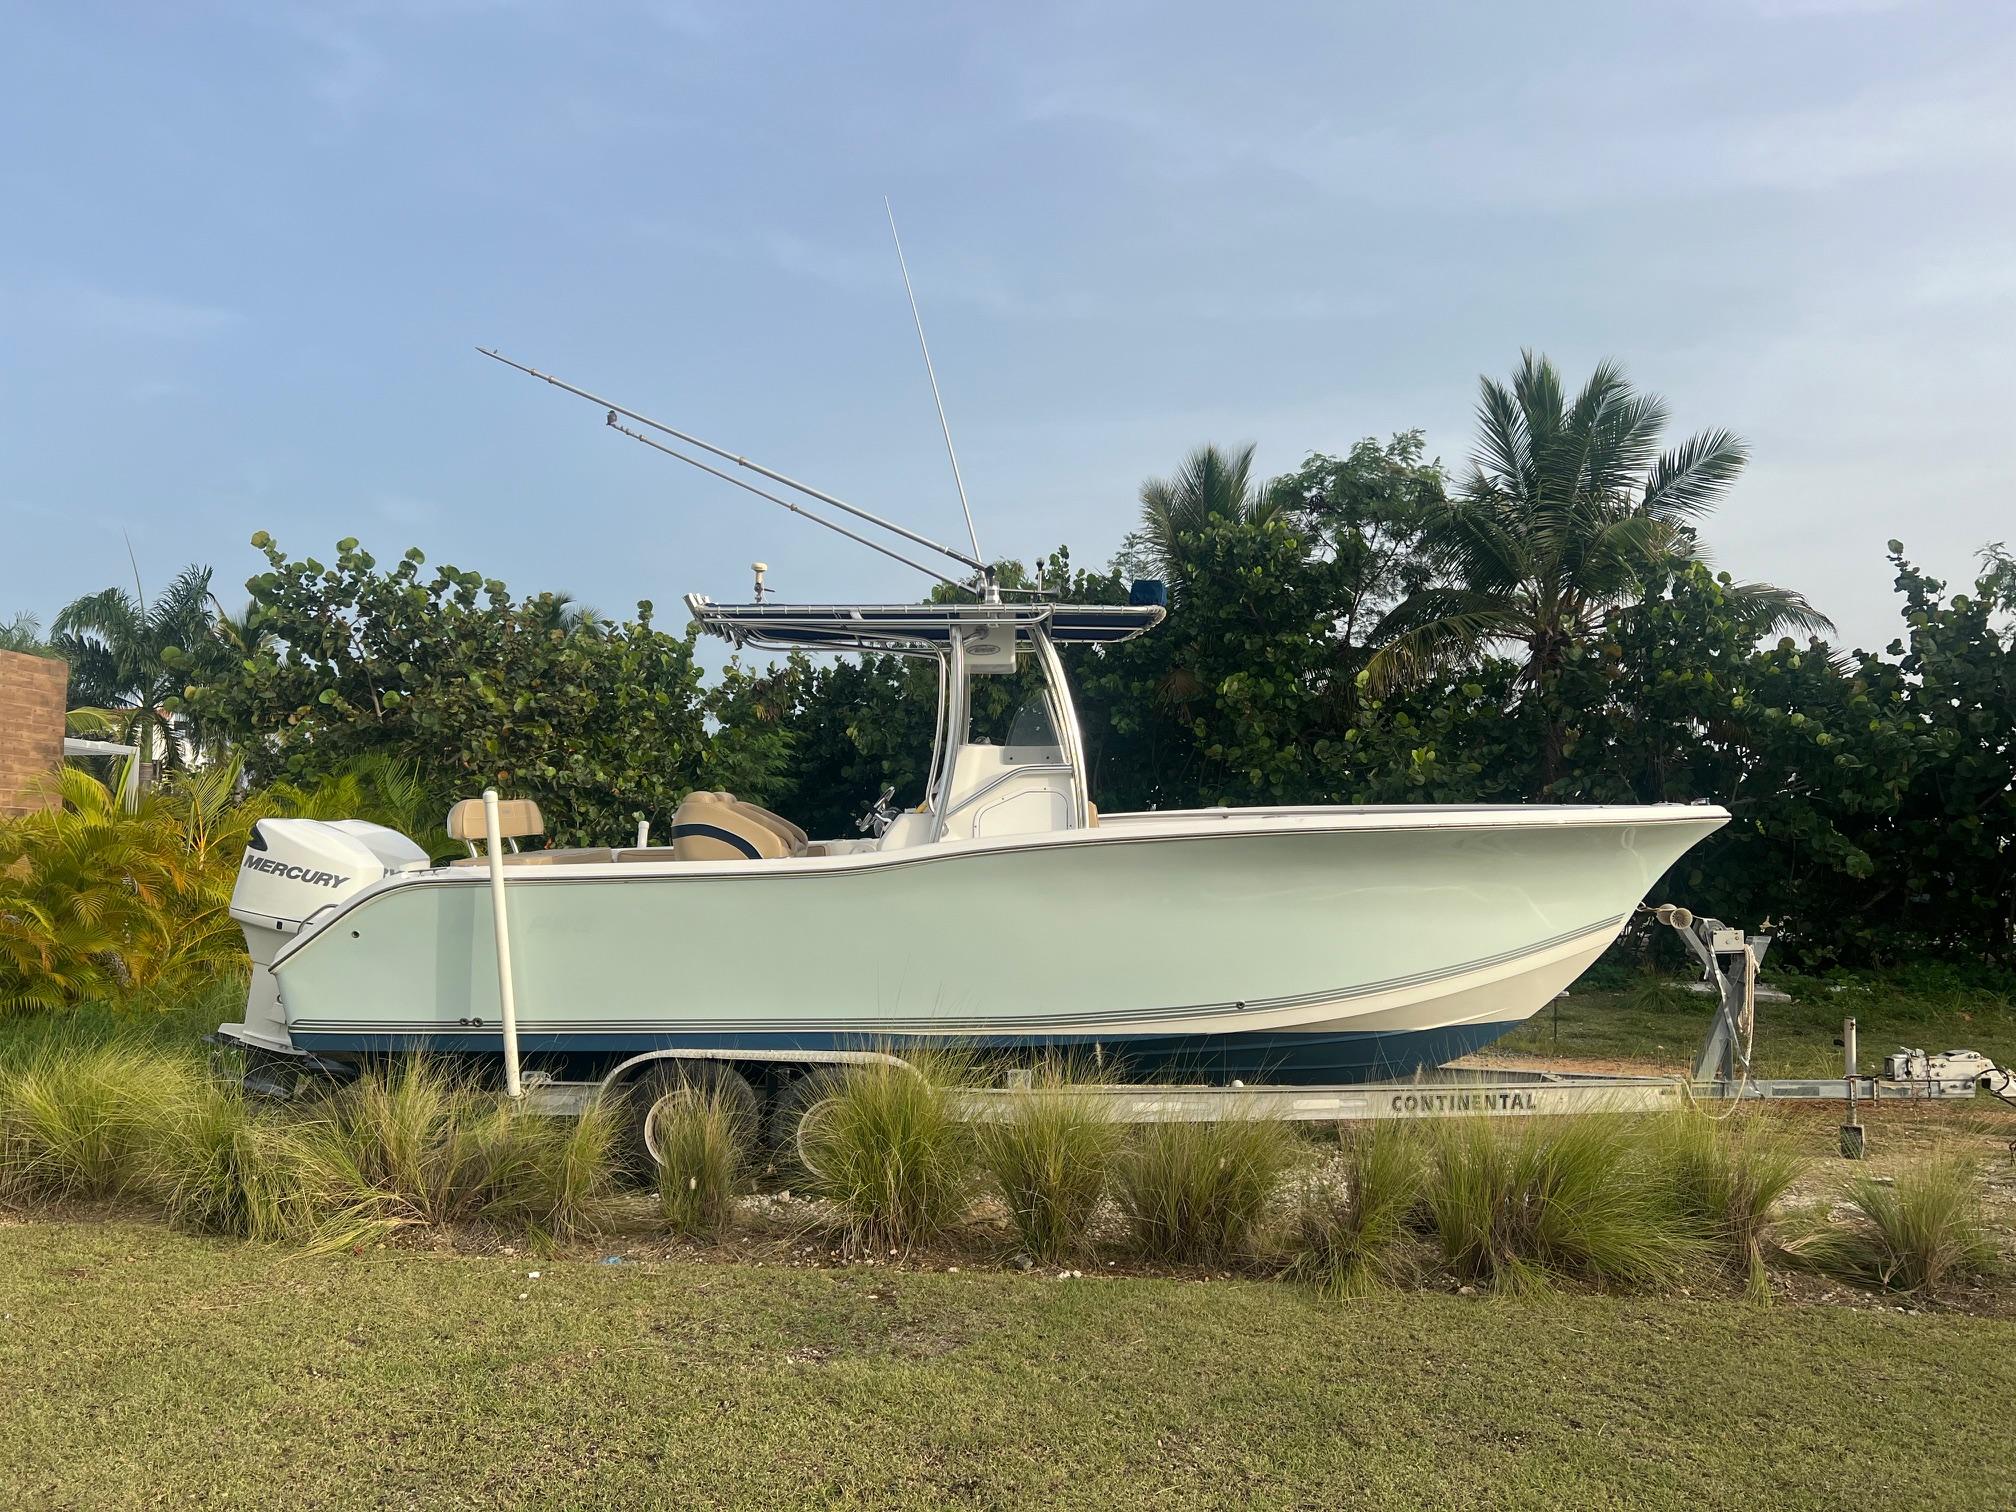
{"points": [[1570, 510], [129, 658], [562, 611], [1211, 487], [23, 633]]}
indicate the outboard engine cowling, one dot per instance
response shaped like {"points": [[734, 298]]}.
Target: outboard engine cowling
{"points": [[294, 869]]}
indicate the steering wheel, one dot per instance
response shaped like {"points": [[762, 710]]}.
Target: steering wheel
{"points": [[881, 814]]}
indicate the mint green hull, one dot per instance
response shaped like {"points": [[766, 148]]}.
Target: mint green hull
{"points": [[1360, 922]]}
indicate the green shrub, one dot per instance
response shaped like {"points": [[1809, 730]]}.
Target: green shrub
{"points": [[1724, 1176], [1353, 1233], [1198, 1192], [99, 903], [1921, 1233], [76, 1120], [1515, 1202], [703, 1144], [888, 1151], [1048, 1161]]}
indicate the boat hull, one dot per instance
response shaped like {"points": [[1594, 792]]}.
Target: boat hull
{"points": [[1309, 945]]}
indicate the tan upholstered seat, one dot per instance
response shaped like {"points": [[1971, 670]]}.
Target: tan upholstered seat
{"points": [[721, 827], [517, 819]]}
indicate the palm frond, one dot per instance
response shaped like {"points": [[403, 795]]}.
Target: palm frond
{"points": [[1626, 553], [1212, 486], [1688, 480], [1435, 628], [181, 612], [109, 615], [1767, 609], [1504, 464]]}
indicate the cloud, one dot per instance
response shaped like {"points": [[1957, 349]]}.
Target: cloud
{"points": [[952, 277], [1653, 144], [1780, 10], [1970, 278], [349, 74], [118, 313], [405, 509]]}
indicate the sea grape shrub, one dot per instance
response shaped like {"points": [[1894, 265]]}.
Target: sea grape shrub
{"points": [[602, 722]]}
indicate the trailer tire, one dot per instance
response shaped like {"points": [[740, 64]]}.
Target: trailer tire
{"points": [[663, 1084], [797, 1106]]}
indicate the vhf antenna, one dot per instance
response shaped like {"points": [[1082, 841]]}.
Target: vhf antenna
{"points": [[932, 373]]}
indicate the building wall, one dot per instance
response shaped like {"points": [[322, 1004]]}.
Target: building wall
{"points": [[34, 692]]}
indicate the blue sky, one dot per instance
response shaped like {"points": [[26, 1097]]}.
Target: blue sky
{"points": [[248, 250]]}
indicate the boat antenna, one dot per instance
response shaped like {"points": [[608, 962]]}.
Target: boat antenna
{"points": [[807, 489], [932, 373], [797, 509]]}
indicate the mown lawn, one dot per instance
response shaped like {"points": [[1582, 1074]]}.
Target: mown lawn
{"points": [[140, 1367], [1660, 1023]]}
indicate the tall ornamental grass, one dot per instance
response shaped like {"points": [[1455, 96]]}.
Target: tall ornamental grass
{"points": [[1048, 1161], [703, 1144], [1923, 1233], [220, 1166], [76, 1120], [1354, 1229], [1515, 1203], [1199, 1193], [886, 1148], [420, 1143], [1725, 1176]]}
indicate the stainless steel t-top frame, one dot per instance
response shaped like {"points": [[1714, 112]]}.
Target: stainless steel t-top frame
{"points": [[947, 633]]}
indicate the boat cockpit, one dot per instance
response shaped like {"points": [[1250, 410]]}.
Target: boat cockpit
{"points": [[1032, 780]]}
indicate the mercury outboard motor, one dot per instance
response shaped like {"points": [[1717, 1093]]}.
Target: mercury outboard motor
{"points": [[292, 871]]}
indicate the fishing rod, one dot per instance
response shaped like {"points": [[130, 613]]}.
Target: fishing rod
{"points": [[986, 573], [797, 509]]}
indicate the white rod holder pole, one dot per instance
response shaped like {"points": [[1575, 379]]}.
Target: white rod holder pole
{"points": [[500, 922]]}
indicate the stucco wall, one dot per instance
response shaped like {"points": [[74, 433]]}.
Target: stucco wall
{"points": [[34, 691]]}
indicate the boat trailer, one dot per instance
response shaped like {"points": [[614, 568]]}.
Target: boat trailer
{"points": [[1721, 1073]]}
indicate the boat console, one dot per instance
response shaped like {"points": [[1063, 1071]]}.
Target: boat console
{"points": [[1036, 780]]}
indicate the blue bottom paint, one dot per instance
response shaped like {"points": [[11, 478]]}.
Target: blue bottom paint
{"points": [[1290, 1059]]}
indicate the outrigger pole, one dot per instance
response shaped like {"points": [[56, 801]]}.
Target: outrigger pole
{"points": [[986, 573], [797, 509]]}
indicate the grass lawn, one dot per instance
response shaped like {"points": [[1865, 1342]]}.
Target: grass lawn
{"points": [[140, 1367], [1660, 1023]]}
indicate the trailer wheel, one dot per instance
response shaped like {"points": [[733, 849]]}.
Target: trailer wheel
{"points": [[804, 1100], [667, 1083]]}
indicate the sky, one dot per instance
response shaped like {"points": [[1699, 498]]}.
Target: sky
{"points": [[247, 253]]}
